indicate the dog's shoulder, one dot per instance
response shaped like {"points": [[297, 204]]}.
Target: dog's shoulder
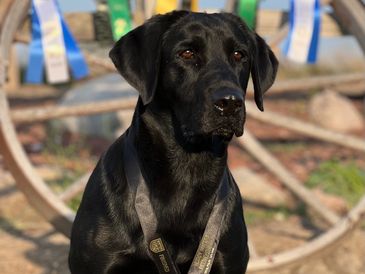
{"points": [[107, 183]]}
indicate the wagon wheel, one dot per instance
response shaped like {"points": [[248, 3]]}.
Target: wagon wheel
{"points": [[61, 217]]}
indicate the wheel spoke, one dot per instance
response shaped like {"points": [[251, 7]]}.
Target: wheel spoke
{"points": [[76, 188], [250, 143]]}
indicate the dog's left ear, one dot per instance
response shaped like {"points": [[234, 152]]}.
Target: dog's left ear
{"points": [[137, 54], [264, 66]]}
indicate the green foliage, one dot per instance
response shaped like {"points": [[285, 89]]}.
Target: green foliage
{"points": [[344, 180], [75, 202]]}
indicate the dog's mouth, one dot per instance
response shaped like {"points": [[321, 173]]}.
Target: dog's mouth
{"points": [[225, 133], [229, 128]]}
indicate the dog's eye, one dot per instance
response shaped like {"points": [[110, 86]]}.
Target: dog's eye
{"points": [[187, 54], [238, 56]]}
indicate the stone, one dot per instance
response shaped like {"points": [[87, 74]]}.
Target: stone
{"points": [[336, 112], [107, 87], [255, 189]]}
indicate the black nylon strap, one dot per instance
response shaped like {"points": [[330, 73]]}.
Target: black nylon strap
{"points": [[204, 257], [157, 248]]}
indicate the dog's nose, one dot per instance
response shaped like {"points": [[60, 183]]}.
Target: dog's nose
{"points": [[228, 102]]}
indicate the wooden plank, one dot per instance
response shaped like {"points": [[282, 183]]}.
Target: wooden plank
{"points": [[315, 82], [305, 128], [47, 113], [13, 76], [351, 15], [53, 112], [4, 8], [270, 22]]}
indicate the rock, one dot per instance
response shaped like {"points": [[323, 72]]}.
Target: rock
{"points": [[255, 189], [333, 111], [108, 87]]}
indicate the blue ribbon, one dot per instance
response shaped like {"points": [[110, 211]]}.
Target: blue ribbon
{"points": [[78, 66], [34, 72], [291, 28], [313, 48], [75, 58]]}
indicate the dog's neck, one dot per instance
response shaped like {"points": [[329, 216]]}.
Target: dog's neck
{"points": [[166, 162]]}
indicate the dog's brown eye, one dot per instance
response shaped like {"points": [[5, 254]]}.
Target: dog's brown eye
{"points": [[237, 56], [187, 54]]}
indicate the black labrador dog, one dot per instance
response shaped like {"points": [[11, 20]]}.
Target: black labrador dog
{"points": [[191, 71]]}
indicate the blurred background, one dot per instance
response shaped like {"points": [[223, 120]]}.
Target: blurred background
{"points": [[300, 165]]}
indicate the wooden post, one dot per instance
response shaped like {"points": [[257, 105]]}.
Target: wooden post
{"points": [[351, 16], [13, 74], [139, 13], [230, 6], [4, 7]]}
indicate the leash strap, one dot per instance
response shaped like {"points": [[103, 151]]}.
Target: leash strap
{"points": [[204, 257], [157, 249]]}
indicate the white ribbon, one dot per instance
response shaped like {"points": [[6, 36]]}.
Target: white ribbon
{"points": [[52, 41], [304, 30]]}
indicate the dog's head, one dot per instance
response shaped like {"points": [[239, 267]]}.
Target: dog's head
{"points": [[197, 66]]}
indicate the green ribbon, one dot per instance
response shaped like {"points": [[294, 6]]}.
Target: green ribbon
{"points": [[247, 10], [120, 17]]}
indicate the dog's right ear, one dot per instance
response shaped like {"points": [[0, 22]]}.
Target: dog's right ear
{"points": [[137, 54]]}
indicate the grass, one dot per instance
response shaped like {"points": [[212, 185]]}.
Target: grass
{"points": [[346, 180], [255, 216], [75, 202]]}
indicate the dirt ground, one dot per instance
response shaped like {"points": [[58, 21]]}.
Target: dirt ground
{"points": [[30, 245]]}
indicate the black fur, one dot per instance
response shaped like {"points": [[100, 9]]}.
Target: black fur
{"points": [[181, 142]]}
